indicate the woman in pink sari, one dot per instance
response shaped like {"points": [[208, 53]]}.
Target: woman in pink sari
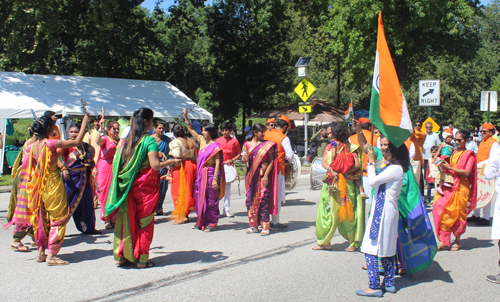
{"points": [[135, 191], [104, 164], [452, 207], [210, 181]]}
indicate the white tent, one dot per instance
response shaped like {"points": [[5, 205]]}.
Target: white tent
{"points": [[19, 93]]}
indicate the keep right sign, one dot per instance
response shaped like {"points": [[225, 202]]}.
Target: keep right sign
{"points": [[429, 93]]}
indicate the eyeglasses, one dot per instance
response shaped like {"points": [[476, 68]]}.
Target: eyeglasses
{"points": [[271, 124], [484, 131], [418, 125], [458, 140]]}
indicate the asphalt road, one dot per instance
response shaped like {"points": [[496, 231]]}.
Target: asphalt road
{"points": [[229, 265]]}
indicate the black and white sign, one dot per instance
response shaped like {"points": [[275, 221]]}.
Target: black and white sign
{"points": [[492, 96], [429, 93]]}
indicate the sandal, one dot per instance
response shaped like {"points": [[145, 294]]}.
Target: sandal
{"points": [[41, 259], [56, 261], [209, 229], [108, 225], [265, 232], [442, 247], [252, 230], [351, 248], [33, 243], [322, 248], [456, 247], [147, 265], [122, 262], [20, 247]]}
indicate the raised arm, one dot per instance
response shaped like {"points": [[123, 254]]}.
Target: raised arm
{"points": [[189, 126], [73, 143], [361, 137]]}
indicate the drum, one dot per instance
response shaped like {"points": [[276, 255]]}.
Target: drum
{"points": [[485, 189], [317, 174], [230, 172], [292, 173]]}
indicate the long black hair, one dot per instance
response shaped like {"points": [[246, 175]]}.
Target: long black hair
{"points": [[137, 131], [41, 126], [212, 130], [400, 156], [258, 127]]}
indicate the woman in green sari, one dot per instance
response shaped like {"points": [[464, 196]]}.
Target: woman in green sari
{"points": [[135, 190], [340, 206]]}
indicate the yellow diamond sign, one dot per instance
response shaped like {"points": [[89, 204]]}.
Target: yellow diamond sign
{"points": [[305, 89], [435, 126]]}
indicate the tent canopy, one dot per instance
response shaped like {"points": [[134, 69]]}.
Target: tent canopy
{"points": [[20, 93]]}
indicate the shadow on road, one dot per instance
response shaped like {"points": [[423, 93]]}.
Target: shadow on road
{"points": [[474, 243], [185, 257], [298, 202], [433, 273], [75, 239], [87, 255]]}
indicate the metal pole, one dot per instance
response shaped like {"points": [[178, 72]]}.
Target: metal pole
{"points": [[305, 132], [488, 113], [428, 111]]}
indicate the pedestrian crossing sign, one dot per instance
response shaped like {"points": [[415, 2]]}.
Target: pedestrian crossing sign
{"points": [[305, 89]]}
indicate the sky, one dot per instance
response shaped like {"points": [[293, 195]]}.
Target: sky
{"points": [[150, 4]]}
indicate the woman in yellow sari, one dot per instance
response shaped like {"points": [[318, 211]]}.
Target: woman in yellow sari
{"points": [[45, 190], [452, 207]]}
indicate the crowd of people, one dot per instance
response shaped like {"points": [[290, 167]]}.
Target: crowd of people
{"points": [[128, 176]]}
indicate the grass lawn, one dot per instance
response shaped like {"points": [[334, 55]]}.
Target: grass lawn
{"points": [[6, 180]]}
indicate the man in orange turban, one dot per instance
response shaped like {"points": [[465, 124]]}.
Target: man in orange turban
{"points": [[270, 124]]}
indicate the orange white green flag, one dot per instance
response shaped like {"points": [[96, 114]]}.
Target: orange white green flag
{"points": [[349, 112], [388, 108]]}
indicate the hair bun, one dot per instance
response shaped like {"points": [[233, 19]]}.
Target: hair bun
{"points": [[136, 112]]}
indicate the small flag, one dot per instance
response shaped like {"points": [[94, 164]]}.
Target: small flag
{"points": [[388, 108], [349, 112]]}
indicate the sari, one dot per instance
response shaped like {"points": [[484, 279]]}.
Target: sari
{"points": [[134, 195], [18, 212], [259, 198], [416, 245], [207, 198], [47, 198], [163, 148], [80, 162], [183, 182], [328, 219], [104, 175], [451, 209]]}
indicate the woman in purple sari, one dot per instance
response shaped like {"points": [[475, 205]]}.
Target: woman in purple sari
{"points": [[210, 182], [77, 166], [260, 180]]}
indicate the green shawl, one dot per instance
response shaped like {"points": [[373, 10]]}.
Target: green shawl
{"points": [[123, 177]]}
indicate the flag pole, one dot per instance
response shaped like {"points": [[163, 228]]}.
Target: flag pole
{"points": [[371, 138]]}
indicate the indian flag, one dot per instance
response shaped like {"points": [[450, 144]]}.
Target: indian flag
{"points": [[388, 108], [349, 112]]}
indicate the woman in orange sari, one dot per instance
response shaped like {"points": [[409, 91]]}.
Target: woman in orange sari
{"points": [[183, 176], [452, 207]]}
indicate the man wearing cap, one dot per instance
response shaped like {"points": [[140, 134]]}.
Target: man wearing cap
{"points": [[285, 154], [321, 142], [366, 127], [488, 146], [431, 139], [270, 123]]}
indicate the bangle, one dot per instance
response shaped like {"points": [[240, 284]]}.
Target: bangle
{"points": [[187, 122], [359, 132]]}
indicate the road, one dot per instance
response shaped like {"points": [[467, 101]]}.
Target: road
{"points": [[229, 265]]}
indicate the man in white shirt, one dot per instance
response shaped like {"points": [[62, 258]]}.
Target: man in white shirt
{"points": [[432, 139], [492, 171], [285, 154]]}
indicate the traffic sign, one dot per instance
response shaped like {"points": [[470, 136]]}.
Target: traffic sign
{"points": [[492, 95], [435, 126], [429, 93], [305, 89], [305, 109]]}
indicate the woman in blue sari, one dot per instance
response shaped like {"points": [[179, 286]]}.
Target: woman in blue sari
{"points": [[77, 170], [163, 141]]}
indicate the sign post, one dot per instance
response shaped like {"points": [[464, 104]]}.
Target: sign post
{"points": [[489, 102], [305, 90], [429, 94]]}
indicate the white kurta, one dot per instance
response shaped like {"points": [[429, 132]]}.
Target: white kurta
{"points": [[385, 244], [492, 171]]}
